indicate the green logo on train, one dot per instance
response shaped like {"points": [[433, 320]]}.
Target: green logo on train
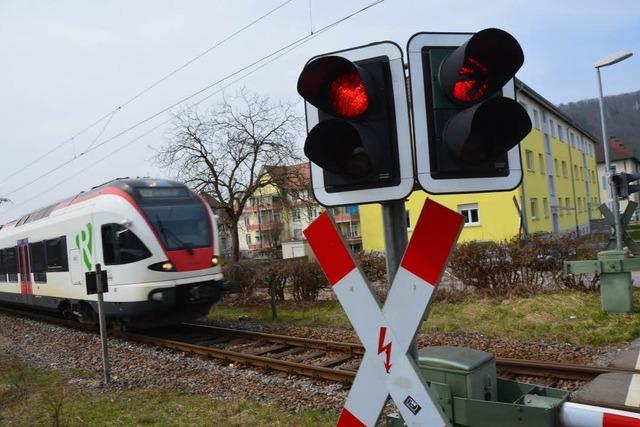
{"points": [[84, 242]]}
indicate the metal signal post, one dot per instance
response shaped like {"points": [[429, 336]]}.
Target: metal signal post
{"points": [[97, 283]]}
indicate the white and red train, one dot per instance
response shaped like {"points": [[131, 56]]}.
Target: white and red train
{"points": [[157, 240]]}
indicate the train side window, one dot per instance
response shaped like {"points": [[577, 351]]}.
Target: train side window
{"points": [[121, 246], [11, 264], [37, 253], [3, 268], [56, 250]]}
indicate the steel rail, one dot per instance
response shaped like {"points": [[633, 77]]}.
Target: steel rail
{"points": [[523, 367], [312, 371]]}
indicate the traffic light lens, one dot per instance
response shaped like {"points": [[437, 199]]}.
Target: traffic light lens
{"points": [[359, 163], [348, 95], [472, 83]]}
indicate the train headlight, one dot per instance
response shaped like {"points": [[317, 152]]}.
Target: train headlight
{"points": [[215, 261], [162, 266]]}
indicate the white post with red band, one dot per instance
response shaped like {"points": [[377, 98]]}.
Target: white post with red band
{"points": [[579, 415], [387, 333]]}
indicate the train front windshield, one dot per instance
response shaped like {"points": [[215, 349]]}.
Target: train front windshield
{"points": [[180, 224]]}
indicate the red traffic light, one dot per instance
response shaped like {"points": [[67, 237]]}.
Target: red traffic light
{"points": [[481, 66], [336, 86], [472, 82], [348, 95]]}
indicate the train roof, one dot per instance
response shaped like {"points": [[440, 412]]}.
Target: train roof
{"points": [[128, 185]]}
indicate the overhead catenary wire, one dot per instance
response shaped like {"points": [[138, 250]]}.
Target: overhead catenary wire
{"points": [[275, 53], [111, 113]]}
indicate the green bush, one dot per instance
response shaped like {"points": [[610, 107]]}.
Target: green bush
{"points": [[523, 267]]}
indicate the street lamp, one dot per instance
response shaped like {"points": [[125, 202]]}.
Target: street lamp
{"points": [[605, 62]]}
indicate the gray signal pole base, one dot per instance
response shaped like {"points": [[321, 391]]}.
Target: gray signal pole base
{"points": [[394, 218]]}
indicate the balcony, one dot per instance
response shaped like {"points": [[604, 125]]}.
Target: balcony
{"points": [[264, 226], [346, 218], [263, 207], [256, 246], [354, 239]]}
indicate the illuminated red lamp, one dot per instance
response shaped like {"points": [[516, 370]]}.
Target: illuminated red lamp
{"points": [[348, 95], [472, 83]]}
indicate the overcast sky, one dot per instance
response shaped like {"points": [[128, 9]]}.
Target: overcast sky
{"points": [[66, 64]]}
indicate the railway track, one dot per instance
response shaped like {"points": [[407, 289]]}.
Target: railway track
{"points": [[328, 360]]}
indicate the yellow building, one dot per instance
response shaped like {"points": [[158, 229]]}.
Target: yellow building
{"points": [[559, 189]]}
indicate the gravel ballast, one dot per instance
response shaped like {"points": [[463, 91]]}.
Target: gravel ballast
{"points": [[139, 366]]}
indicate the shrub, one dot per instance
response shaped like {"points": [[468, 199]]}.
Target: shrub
{"points": [[374, 266], [273, 277], [246, 275], [307, 280], [523, 267]]}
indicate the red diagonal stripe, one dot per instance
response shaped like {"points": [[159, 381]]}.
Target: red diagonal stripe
{"points": [[347, 419], [327, 244], [433, 239], [613, 420]]}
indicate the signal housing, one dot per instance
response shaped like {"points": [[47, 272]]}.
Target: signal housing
{"points": [[467, 124], [357, 117]]}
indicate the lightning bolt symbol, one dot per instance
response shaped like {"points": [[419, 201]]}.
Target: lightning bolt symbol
{"points": [[385, 348]]}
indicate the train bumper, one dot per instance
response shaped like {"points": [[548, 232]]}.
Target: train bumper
{"points": [[196, 293]]}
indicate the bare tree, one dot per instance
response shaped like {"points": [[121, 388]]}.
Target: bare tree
{"points": [[225, 151]]}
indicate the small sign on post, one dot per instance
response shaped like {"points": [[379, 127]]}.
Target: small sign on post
{"points": [[97, 284]]}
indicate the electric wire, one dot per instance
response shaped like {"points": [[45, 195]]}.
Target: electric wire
{"points": [[266, 60], [128, 143], [142, 92]]}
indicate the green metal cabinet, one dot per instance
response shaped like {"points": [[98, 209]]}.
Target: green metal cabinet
{"points": [[464, 381]]}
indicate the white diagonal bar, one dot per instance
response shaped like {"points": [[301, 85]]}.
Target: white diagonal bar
{"points": [[386, 368]]}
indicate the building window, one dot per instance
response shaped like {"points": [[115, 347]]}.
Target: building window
{"points": [[552, 127], [529, 157], [555, 164], [582, 173], [575, 173], [248, 238], [567, 203], [536, 118], [545, 207], [560, 133], [470, 214], [534, 208], [297, 234], [564, 169], [246, 220], [560, 209], [541, 163], [296, 214], [312, 211]]}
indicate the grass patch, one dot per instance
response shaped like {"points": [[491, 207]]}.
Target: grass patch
{"points": [[35, 397], [320, 314], [568, 317]]}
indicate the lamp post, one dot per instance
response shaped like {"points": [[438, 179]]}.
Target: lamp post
{"points": [[605, 62]]}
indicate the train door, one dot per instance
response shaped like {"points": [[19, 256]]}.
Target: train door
{"points": [[75, 266], [24, 268]]}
